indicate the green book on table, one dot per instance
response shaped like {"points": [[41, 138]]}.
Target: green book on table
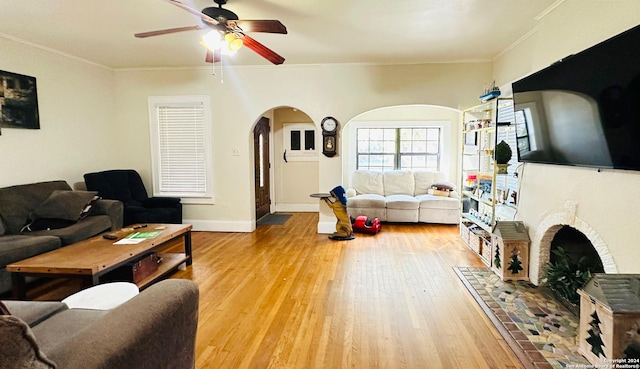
{"points": [[145, 235]]}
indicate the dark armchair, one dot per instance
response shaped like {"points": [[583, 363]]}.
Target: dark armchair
{"points": [[126, 185]]}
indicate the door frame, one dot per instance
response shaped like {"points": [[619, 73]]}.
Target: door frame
{"points": [[272, 183]]}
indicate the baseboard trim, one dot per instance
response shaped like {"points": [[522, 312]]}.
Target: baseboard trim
{"points": [[326, 227], [243, 226], [298, 208], [221, 226]]}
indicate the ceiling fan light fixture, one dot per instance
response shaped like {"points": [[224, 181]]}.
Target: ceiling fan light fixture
{"points": [[234, 43], [212, 40], [223, 22]]}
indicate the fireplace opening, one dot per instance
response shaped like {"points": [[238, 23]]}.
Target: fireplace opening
{"points": [[577, 246], [572, 262]]}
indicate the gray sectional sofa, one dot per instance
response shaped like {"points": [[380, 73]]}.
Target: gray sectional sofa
{"points": [[45, 206], [155, 329]]}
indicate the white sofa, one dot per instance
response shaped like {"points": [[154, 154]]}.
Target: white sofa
{"points": [[402, 196]]}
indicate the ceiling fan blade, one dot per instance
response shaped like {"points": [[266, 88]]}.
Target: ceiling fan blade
{"points": [[212, 56], [262, 50], [260, 25], [191, 10], [168, 30]]}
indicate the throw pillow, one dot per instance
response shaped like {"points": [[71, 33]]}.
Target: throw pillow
{"points": [[3, 309], [444, 185], [438, 192], [87, 208], [61, 209], [18, 346]]}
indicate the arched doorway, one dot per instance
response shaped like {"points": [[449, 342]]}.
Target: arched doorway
{"points": [[293, 141]]}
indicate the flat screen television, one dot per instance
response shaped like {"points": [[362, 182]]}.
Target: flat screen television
{"points": [[583, 110]]}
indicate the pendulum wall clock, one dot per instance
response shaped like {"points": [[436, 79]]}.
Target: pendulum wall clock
{"points": [[329, 136]]}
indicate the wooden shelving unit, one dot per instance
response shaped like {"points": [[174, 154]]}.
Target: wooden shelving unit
{"points": [[486, 195]]}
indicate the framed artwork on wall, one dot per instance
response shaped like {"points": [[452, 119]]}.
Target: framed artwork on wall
{"points": [[18, 101]]}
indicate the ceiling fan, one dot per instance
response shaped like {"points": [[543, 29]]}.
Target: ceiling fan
{"points": [[232, 29]]}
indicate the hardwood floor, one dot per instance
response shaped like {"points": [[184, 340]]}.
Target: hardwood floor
{"points": [[286, 297]]}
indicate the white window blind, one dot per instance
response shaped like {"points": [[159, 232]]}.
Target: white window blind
{"points": [[180, 128]]}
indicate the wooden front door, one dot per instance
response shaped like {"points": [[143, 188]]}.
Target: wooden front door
{"points": [[261, 167]]}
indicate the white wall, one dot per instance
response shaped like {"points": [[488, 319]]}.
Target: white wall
{"points": [[76, 109], [93, 118], [342, 91], [607, 200]]}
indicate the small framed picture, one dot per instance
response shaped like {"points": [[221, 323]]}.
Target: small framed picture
{"points": [[471, 138]]}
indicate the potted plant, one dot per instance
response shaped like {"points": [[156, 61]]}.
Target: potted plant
{"points": [[503, 155], [564, 276]]}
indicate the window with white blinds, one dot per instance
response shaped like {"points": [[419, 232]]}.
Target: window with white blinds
{"points": [[181, 147]]}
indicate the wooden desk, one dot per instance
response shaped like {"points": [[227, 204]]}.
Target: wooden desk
{"points": [[94, 257]]}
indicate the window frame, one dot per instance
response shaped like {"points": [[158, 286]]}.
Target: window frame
{"points": [[448, 150], [188, 197], [398, 154], [303, 154]]}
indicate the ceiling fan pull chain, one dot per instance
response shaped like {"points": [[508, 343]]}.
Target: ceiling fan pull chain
{"points": [[221, 70]]}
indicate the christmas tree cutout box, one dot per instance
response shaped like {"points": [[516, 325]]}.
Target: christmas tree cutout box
{"points": [[609, 329], [510, 251]]}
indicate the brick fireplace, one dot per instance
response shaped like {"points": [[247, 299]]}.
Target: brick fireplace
{"points": [[549, 226]]}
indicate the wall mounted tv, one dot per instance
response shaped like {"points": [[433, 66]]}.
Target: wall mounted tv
{"points": [[583, 110]]}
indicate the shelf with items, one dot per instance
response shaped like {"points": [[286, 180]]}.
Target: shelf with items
{"points": [[485, 193]]}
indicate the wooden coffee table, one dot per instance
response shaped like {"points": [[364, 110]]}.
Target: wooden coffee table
{"points": [[92, 258]]}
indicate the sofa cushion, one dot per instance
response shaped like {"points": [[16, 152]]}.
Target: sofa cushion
{"points": [[17, 202], [18, 346], [64, 325], [33, 313], [398, 182], [79, 231], [438, 202], [2, 229], [402, 202], [40, 224], [367, 182], [367, 201], [425, 179], [16, 247]]}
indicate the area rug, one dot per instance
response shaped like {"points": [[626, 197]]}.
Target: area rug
{"points": [[540, 331], [271, 219]]}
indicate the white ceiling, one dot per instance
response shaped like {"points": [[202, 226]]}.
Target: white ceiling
{"points": [[320, 31]]}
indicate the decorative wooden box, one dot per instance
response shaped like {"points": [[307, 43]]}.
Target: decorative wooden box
{"points": [[609, 329], [475, 239], [465, 230], [136, 271], [510, 251], [485, 249]]}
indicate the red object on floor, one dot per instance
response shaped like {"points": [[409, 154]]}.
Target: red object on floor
{"points": [[364, 225]]}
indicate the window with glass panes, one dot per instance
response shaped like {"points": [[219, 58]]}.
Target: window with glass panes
{"points": [[414, 148]]}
